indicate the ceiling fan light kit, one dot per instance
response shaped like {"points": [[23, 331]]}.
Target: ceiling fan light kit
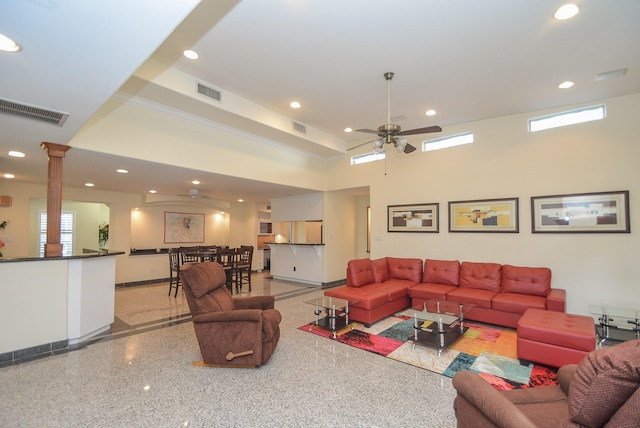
{"points": [[391, 133]]}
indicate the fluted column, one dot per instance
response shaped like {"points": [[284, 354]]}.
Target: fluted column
{"points": [[55, 153]]}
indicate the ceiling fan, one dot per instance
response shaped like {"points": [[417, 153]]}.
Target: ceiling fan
{"points": [[390, 133], [194, 194]]}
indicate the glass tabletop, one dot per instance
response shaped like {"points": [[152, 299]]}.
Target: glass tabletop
{"points": [[440, 311], [330, 302]]}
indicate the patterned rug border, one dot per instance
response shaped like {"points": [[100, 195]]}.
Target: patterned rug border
{"points": [[486, 349]]}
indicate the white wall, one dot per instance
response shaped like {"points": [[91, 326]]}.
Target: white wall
{"points": [[508, 161]]}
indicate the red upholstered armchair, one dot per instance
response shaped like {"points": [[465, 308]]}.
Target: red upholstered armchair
{"points": [[232, 332]]}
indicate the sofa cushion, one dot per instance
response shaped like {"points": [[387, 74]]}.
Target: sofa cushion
{"points": [[474, 296], [360, 272], [604, 380], [405, 268], [380, 269], [441, 272], [486, 276], [429, 291], [517, 303], [526, 280]]}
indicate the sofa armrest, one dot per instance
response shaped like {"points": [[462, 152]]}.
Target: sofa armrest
{"points": [[556, 300], [485, 401], [565, 375], [239, 315], [254, 302]]}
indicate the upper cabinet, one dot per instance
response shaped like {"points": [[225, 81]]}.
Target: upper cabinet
{"points": [[265, 227]]}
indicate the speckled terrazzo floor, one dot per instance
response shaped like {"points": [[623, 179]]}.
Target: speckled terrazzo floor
{"points": [[141, 376]]}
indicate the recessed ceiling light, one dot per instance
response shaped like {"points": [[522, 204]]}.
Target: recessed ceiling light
{"points": [[348, 130], [153, 191], [16, 154], [191, 54], [240, 200], [7, 175], [430, 112], [566, 85], [195, 182], [89, 184], [8, 45], [295, 104], [567, 11], [122, 171]]}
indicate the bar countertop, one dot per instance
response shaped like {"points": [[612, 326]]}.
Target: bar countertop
{"points": [[78, 256]]}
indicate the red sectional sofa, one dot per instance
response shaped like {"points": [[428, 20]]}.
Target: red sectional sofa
{"points": [[500, 293]]}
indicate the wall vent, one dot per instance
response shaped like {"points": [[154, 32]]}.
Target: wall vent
{"points": [[209, 92], [32, 112], [299, 127]]}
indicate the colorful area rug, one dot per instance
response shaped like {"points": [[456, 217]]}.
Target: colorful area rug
{"points": [[487, 350]]}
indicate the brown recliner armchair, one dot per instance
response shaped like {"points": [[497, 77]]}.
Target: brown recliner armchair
{"points": [[232, 332], [601, 391]]}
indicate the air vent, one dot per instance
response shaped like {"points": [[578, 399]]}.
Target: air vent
{"points": [[299, 127], [32, 112], [209, 92]]}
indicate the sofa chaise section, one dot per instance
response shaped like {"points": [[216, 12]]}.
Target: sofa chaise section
{"points": [[378, 288]]}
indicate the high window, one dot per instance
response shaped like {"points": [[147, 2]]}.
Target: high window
{"points": [[446, 142], [367, 157], [565, 118]]}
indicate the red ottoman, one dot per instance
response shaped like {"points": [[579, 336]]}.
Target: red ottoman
{"points": [[555, 338]]}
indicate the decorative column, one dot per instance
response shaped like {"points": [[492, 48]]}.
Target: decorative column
{"points": [[55, 153]]}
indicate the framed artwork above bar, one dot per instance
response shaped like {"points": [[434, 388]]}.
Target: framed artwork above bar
{"points": [[181, 228], [602, 212]]}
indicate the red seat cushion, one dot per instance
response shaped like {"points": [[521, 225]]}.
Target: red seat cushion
{"points": [[517, 303], [405, 268], [474, 296], [431, 291], [526, 280], [485, 276], [359, 273], [441, 272]]}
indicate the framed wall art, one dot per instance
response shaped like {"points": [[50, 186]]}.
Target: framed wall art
{"points": [[485, 215], [413, 218], [603, 212], [182, 228]]}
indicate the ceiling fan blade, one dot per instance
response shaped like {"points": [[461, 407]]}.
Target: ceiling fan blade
{"points": [[426, 130], [368, 131], [409, 148], [360, 145]]}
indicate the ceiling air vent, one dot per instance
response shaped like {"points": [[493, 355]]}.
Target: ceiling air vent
{"points": [[299, 127], [32, 112], [209, 92]]}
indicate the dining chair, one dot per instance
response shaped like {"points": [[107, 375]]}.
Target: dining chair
{"points": [[226, 257], [174, 270], [243, 266], [187, 256]]}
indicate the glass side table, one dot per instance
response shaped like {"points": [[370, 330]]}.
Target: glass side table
{"points": [[615, 323], [336, 310]]}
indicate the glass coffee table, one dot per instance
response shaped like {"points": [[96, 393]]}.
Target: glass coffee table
{"points": [[438, 324], [336, 310], [616, 323]]}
